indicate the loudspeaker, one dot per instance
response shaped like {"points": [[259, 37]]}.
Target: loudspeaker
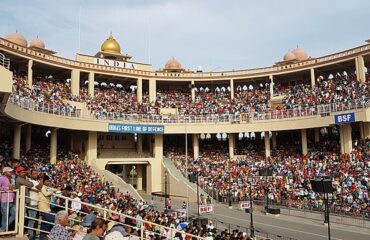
{"points": [[192, 178], [322, 186], [273, 210]]}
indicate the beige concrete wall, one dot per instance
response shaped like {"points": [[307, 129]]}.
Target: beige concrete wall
{"points": [[6, 80]]}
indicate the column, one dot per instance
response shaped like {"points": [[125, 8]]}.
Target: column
{"points": [[317, 135], [75, 82], [17, 141], [313, 78], [92, 147], [139, 183], [365, 130], [345, 132], [232, 88], [231, 146], [139, 90], [360, 69], [139, 144], [28, 137], [192, 90], [91, 83], [30, 73], [53, 146], [273, 140], [154, 168], [196, 146], [267, 144], [271, 86], [304, 141], [152, 90]]}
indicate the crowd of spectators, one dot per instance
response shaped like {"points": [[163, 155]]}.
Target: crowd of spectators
{"points": [[251, 98], [71, 177], [290, 183]]}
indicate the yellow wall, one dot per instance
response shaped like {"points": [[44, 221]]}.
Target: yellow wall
{"points": [[6, 80]]}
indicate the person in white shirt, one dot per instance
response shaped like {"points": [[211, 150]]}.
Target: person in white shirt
{"points": [[76, 203], [32, 211]]}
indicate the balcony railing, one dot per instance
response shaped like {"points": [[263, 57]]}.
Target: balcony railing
{"points": [[300, 112], [5, 62]]}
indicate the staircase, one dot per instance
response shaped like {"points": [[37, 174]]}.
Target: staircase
{"points": [[181, 181], [118, 182]]}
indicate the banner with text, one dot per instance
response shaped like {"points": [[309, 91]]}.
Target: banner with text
{"points": [[135, 128], [205, 209], [344, 118], [244, 205]]}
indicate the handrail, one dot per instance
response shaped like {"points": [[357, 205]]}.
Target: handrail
{"points": [[107, 212], [242, 118], [5, 62]]}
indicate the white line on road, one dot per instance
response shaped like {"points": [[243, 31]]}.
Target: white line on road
{"points": [[289, 229]]}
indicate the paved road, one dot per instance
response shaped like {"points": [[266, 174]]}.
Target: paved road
{"points": [[289, 226]]}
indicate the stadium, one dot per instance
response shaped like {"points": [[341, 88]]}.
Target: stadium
{"points": [[105, 145]]}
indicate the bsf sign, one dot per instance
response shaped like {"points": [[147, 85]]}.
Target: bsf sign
{"points": [[205, 209], [344, 118], [135, 128], [244, 205]]}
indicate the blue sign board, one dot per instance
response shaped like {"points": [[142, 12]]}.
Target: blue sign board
{"points": [[135, 128], [344, 118]]}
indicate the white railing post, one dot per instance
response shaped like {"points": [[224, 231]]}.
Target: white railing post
{"points": [[21, 211]]}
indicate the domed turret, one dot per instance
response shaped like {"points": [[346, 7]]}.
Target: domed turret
{"points": [[111, 46], [38, 43], [289, 56], [172, 64], [17, 38], [300, 54]]}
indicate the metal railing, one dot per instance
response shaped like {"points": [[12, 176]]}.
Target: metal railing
{"points": [[22, 215], [69, 111], [5, 62], [9, 209]]}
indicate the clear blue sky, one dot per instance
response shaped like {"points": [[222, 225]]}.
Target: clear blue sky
{"points": [[218, 35]]}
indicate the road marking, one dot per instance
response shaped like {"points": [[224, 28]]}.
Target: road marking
{"points": [[289, 229]]}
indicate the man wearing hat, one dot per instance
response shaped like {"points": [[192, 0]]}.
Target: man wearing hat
{"points": [[7, 199]]}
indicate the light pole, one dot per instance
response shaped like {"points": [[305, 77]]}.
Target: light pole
{"points": [[165, 189], [230, 189], [186, 169], [251, 207], [197, 174]]}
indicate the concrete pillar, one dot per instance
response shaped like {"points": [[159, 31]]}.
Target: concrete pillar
{"points": [[17, 141], [360, 69], [139, 183], [75, 82], [92, 147], [274, 140], [139, 90], [196, 146], [267, 144], [30, 73], [53, 146], [139, 144], [91, 84], [192, 90], [304, 141], [232, 88], [317, 135], [365, 130], [28, 137], [313, 78], [231, 146], [154, 168], [345, 132], [152, 90], [271, 86]]}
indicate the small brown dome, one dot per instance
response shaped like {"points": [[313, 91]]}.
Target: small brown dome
{"points": [[289, 56], [17, 38], [300, 54], [173, 64], [37, 43]]}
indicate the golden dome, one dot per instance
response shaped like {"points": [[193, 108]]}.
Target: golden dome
{"points": [[17, 38], [300, 54], [172, 64], [111, 46], [289, 56], [37, 43]]}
